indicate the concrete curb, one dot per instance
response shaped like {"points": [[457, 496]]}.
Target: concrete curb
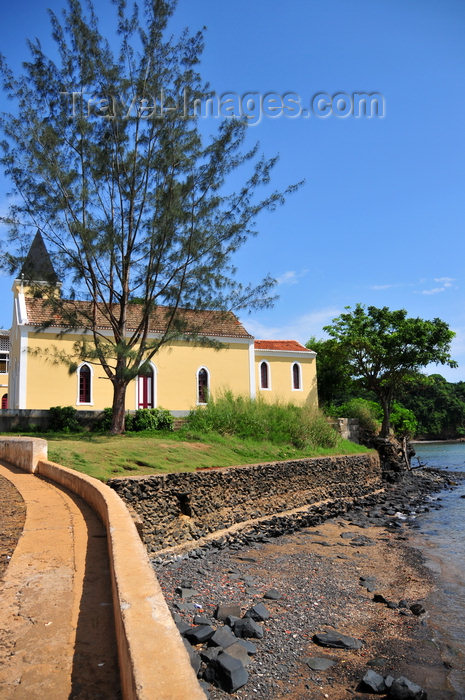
{"points": [[152, 658], [23, 452]]}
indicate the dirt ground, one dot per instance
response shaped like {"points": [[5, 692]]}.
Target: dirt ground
{"points": [[318, 573], [12, 517]]}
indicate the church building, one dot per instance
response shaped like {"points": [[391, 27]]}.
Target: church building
{"points": [[181, 375]]}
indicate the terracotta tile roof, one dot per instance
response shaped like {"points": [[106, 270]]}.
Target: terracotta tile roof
{"points": [[289, 345], [213, 323]]}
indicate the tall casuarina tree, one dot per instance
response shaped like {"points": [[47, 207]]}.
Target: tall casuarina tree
{"points": [[107, 161]]}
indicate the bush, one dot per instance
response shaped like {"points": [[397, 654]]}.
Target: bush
{"points": [[257, 420], [165, 419], [142, 419], [151, 419], [103, 422], [368, 413], [63, 419]]}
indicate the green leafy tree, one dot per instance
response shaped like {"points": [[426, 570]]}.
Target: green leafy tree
{"points": [[438, 405], [403, 420], [384, 347], [131, 202], [335, 384]]}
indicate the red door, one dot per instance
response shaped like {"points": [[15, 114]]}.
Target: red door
{"points": [[145, 390]]}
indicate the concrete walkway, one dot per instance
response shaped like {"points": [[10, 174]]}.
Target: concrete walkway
{"points": [[56, 618]]}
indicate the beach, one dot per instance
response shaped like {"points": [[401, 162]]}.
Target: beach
{"points": [[323, 574]]}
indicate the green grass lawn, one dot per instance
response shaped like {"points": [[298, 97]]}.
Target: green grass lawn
{"points": [[106, 456]]}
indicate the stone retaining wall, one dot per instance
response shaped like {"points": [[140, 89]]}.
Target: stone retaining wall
{"points": [[184, 507]]}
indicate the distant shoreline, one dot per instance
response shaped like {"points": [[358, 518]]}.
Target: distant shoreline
{"points": [[439, 442]]}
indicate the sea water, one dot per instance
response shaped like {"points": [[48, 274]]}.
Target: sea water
{"points": [[441, 538]]}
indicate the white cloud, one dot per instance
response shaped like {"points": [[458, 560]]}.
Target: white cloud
{"points": [[435, 290], [291, 277], [393, 285], [445, 282], [299, 328]]}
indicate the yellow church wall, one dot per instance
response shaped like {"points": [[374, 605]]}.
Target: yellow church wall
{"points": [[177, 367], [280, 379], [15, 351], [50, 384]]}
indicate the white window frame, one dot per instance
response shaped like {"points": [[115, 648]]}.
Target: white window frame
{"points": [[201, 403], [154, 389], [264, 388], [301, 384], [5, 357], [78, 373]]}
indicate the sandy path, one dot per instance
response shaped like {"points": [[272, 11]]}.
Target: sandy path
{"points": [[56, 621]]}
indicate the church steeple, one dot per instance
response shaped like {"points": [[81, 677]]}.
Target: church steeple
{"points": [[38, 266]]}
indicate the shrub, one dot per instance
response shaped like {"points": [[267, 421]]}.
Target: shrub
{"points": [[128, 422], [142, 419], [103, 422], [255, 419], [368, 413], [151, 419], [63, 419], [165, 419]]}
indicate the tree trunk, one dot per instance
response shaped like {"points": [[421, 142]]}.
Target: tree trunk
{"points": [[386, 424], [119, 405]]}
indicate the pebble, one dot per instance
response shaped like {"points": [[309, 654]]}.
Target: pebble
{"points": [[373, 682], [336, 640], [319, 663], [417, 609], [280, 653]]}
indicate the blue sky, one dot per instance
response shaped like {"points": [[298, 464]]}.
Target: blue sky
{"points": [[380, 219]]}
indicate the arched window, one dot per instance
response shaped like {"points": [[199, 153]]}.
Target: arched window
{"points": [[202, 385], [85, 384], [296, 376], [264, 375], [5, 401]]}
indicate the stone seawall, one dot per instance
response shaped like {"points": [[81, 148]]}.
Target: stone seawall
{"points": [[180, 508]]}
